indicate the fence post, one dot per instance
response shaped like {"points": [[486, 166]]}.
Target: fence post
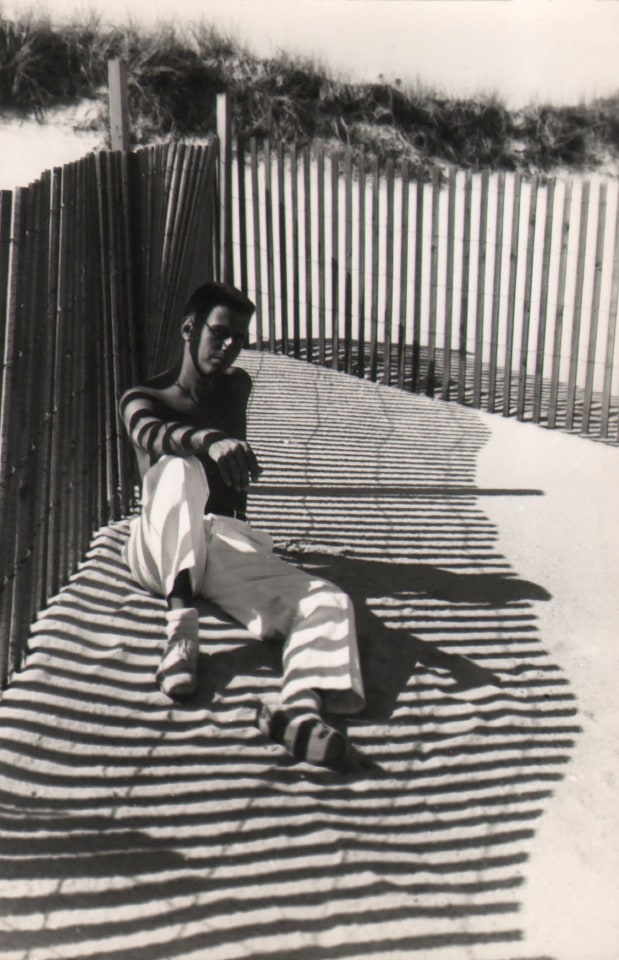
{"points": [[225, 187], [119, 104]]}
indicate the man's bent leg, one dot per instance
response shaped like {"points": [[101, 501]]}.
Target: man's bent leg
{"points": [[167, 555], [168, 536], [321, 671], [313, 618], [320, 652]]}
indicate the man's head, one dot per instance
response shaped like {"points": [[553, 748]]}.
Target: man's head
{"points": [[214, 326]]}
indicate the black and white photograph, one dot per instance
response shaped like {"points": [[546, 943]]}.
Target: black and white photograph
{"points": [[309, 479]]}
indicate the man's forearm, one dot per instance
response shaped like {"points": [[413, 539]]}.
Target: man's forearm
{"points": [[157, 437]]}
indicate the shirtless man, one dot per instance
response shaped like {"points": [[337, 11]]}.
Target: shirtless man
{"points": [[188, 429]]}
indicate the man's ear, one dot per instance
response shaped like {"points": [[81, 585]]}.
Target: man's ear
{"points": [[187, 328]]}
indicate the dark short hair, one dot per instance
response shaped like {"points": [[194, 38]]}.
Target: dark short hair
{"points": [[214, 294]]}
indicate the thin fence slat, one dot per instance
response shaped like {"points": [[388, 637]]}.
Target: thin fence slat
{"points": [[135, 215], [146, 184], [94, 405], [59, 319], [526, 313], [39, 447], [120, 319], [496, 293], [511, 295], [88, 341], [361, 271], [309, 286], [560, 307], [208, 219], [6, 209], [243, 241], [388, 246], [114, 322], [103, 187], [464, 293], [35, 410], [296, 250], [595, 311], [449, 283], [257, 240], [85, 348], [404, 215], [128, 264], [348, 260], [540, 355], [49, 313], [270, 252], [84, 528], [73, 464], [224, 144], [335, 259], [611, 335], [107, 392], [434, 255], [23, 398], [6, 213], [9, 431], [283, 245], [99, 314], [375, 250], [46, 320], [481, 290], [129, 331], [578, 298], [322, 257], [416, 354]]}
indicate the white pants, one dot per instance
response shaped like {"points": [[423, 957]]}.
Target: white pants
{"points": [[233, 565]]}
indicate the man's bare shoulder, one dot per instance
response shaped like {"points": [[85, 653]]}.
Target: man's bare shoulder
{"points": [[239, 378], [144, 393]]}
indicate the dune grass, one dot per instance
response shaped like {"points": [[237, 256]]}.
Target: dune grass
{"points": [[175, 74]]}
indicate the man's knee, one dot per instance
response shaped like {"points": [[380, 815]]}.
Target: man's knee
{"points": [[178, 472], [325, 598]]}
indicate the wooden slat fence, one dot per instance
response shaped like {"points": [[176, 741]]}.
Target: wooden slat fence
{"points": [[93, 263], [492, 289], [488, 289]]}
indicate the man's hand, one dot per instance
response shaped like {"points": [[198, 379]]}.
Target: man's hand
{"points": [[236, 461]]}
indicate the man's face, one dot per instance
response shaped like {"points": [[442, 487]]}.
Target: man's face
{"points": [[220, 340]]}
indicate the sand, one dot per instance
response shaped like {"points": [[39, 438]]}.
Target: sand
{"points": [[28, 146], [567, 540]]}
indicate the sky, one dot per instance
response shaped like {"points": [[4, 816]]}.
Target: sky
{"points": [[559, 51]]}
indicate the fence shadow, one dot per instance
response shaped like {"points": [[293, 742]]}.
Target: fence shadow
{"points": [[390, 653], [131, 827]]}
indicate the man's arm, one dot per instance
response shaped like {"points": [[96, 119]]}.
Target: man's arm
{"points": [[148, 431], [155, 436]]}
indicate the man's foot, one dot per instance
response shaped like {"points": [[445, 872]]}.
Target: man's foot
{"points": [[305, 735], [177, 673]]}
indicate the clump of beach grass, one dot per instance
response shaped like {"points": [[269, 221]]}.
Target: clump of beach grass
{"points": [[175, 74]]}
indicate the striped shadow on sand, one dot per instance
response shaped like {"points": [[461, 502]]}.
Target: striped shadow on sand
{"points": [[135, 829]]}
